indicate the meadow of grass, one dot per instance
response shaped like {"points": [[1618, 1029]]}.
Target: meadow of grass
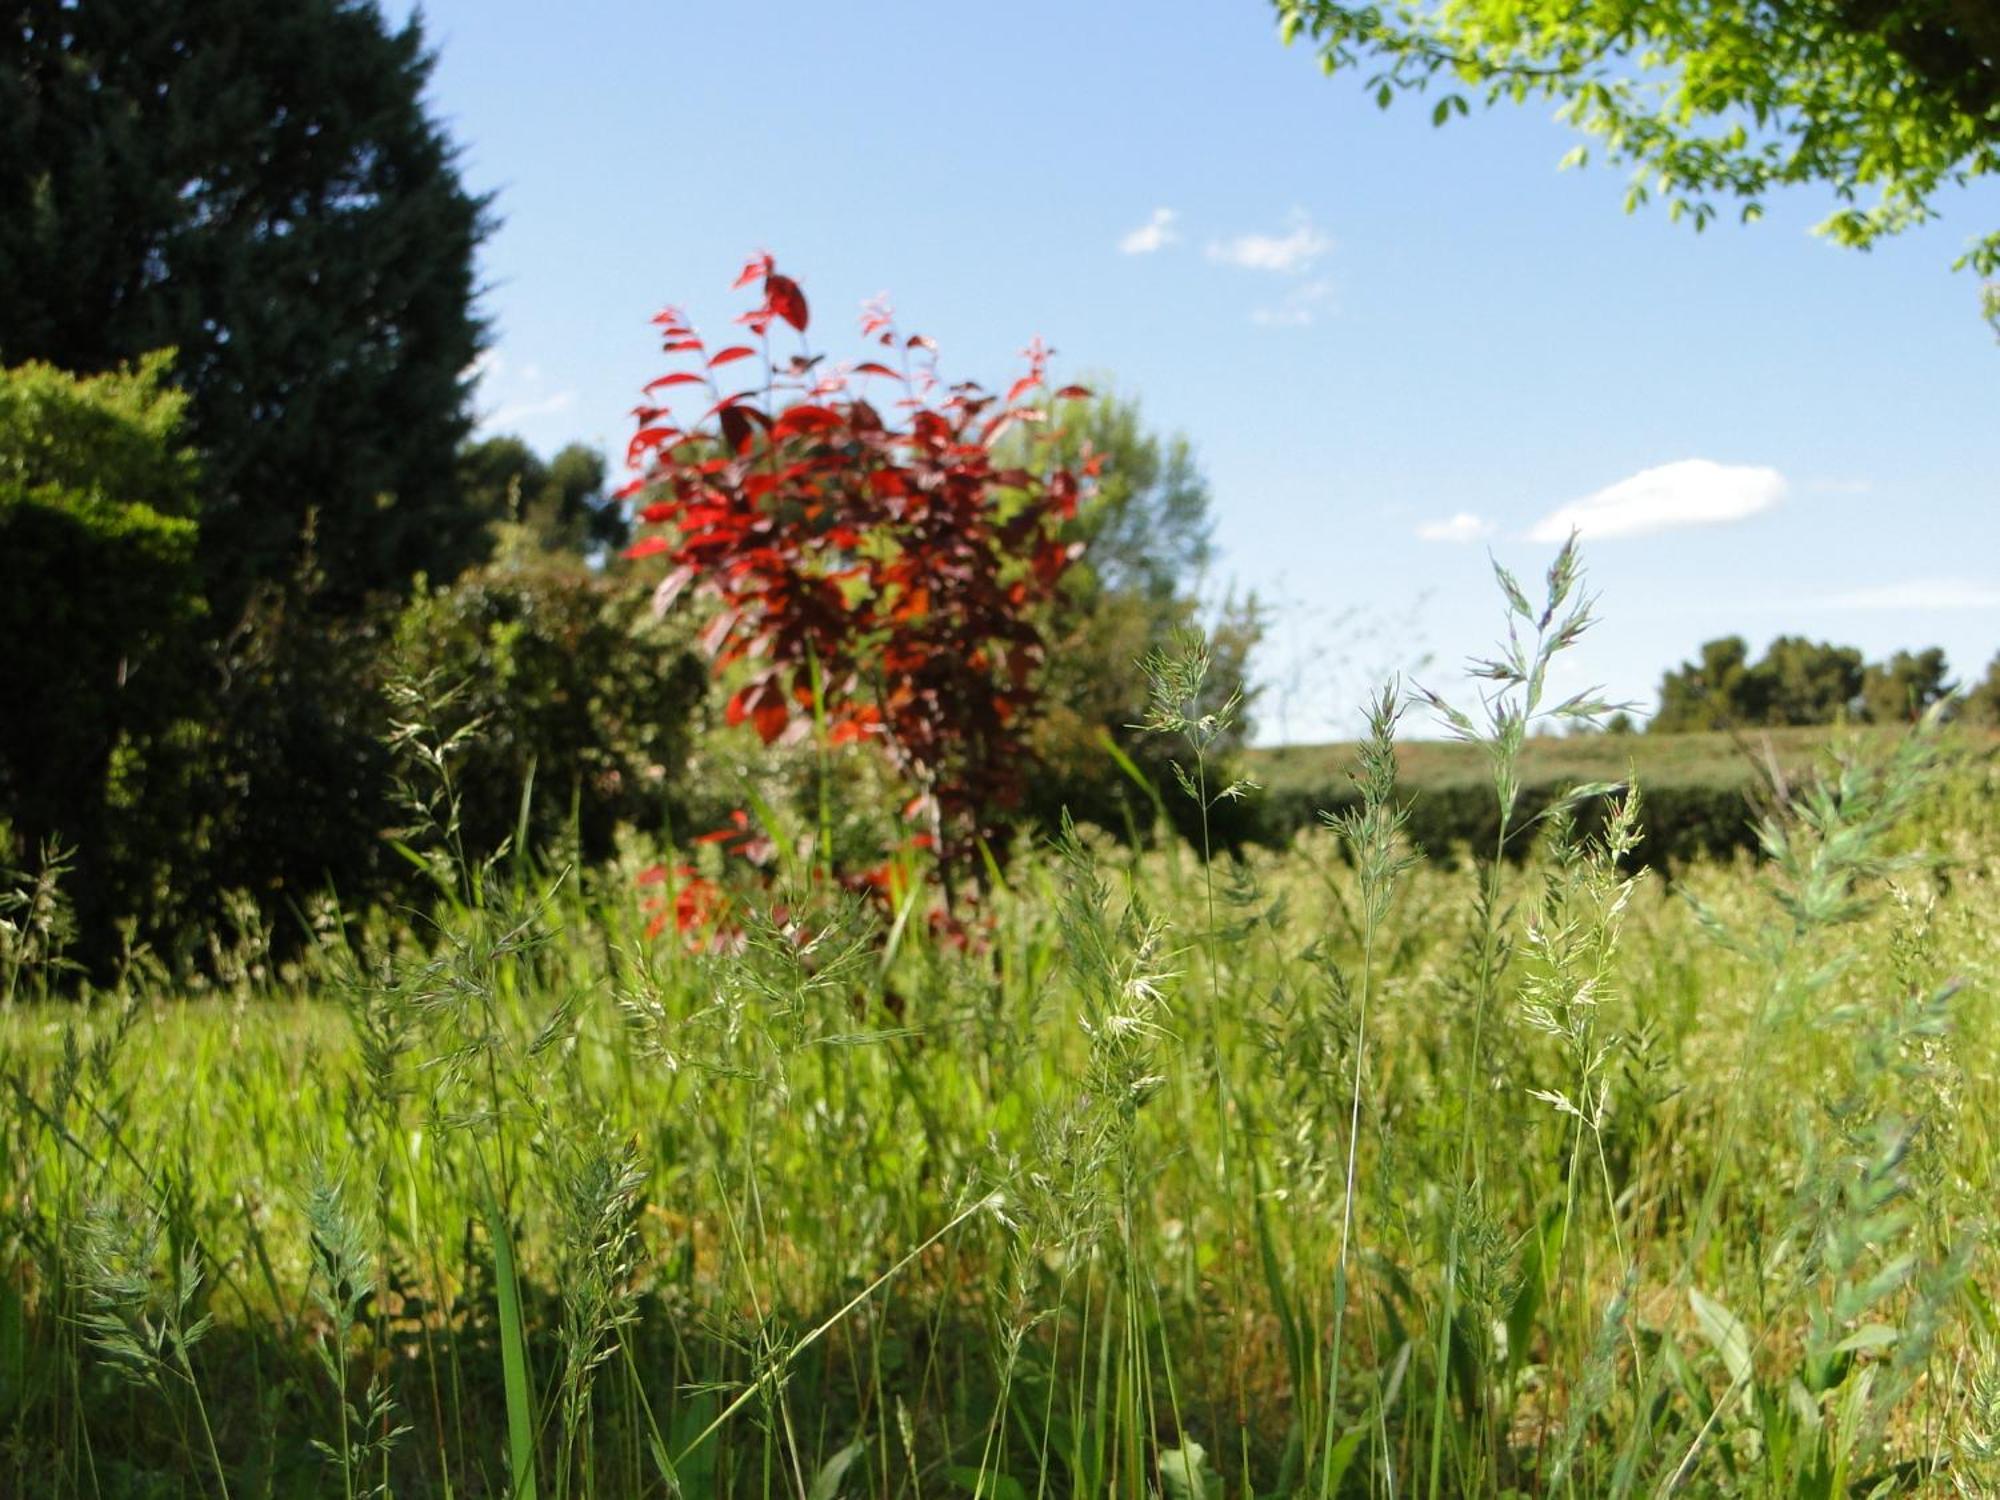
{"points": [[1332, 1170], [1735, 756]]}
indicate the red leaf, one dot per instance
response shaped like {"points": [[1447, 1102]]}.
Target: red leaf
{"points": [[658, 511], [1073, 393], [648, 438], [805, 418], [758, 265], [869, 367], [784, 298], [679, 377], [733, 353], [737, 428], [1026, 383], [650, 546], [680, 345], [769, 715]]}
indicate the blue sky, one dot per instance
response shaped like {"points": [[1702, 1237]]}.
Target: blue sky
{"points": [[1394, 347]]}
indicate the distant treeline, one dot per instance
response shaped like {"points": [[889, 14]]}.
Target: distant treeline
{"points": [[1726, 726], [1799, 681]]}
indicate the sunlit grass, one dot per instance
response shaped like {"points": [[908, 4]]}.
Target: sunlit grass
{"points": [[1330, 1171]]}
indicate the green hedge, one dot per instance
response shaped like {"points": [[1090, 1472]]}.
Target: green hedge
{"points": [[1683, 820]]}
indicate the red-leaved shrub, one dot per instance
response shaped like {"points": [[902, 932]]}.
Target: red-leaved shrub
{"points": [[850, 526]]}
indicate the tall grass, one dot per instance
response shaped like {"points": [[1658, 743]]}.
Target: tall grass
{"points": [[1350, 1170]]}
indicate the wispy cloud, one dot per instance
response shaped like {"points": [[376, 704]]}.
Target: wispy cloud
{"points": [[1920, 594], [1692, 492], [1288, 254], [1298, 308], [521, 411], [1156, 233], [1463, 527], [517, 390]]}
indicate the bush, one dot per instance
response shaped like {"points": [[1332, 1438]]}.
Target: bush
{"points": [[576, 687], [100, 605], [211, 780]]}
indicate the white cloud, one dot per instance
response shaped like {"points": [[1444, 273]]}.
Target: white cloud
{"points": [[1288, 254], [1692, 492], [1156, 233], [520, 411], [1300, 306], [1920, 593], [1463, 527]]}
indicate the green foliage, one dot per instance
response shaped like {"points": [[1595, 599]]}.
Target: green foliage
{"points": [[273, 790], [1710, 102], [215, 793], [1903, 689], [99, 600], [1146, 532], [572, 685], [256, 184], [1981, 704], [1796, 681], [561, 504]]}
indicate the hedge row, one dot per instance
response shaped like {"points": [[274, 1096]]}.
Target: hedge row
{"points": [[1683, 819]]}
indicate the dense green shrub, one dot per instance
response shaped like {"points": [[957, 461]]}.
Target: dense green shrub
{"points": [[212, 776], [281, 784], [574, 685], [99, 602]]}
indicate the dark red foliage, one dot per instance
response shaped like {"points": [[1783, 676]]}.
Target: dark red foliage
{"points": [[884, 548]]}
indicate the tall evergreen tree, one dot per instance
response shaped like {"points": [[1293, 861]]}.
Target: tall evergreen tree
{"points": [[256, 184]]}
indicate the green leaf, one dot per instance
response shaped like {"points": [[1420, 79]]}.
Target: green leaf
{"points": [[1725, 1331], [1869, 1336], [513, 1352], [1185, 1475], [1342, 1456], [826, 1483], [986, 1486]]}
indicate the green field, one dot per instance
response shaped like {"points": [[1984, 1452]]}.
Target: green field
{"points": [[1716, 756], [1309, 1174]]}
